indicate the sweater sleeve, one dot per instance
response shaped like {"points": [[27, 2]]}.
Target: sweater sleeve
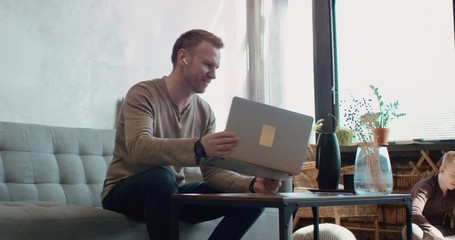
{"points": [[225, 180], [420, 195], [419, 199]]}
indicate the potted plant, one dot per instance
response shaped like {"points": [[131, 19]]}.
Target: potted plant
{"points": [[372, 171], [381, 119], [344, 134]]}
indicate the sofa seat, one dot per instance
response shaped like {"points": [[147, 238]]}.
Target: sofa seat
{"points": [[49, 220], [266, 227], [51, 180], [32, 220]]}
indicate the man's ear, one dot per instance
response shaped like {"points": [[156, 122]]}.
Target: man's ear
{"points": [[442, 169], [182, 56]]}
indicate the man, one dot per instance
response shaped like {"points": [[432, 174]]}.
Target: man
{"points": [[432, 199], [164, 126]]}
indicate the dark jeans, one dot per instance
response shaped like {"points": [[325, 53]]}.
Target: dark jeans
{"points": [[147, 197]]}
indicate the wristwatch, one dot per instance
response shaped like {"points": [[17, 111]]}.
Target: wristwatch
{"points": [[199, 149], [251, 188]]}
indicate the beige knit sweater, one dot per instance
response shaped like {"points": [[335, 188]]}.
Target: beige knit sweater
{"points": [[151, 132]]}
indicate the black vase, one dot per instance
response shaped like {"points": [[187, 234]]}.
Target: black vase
{"points": [[328, 161]]}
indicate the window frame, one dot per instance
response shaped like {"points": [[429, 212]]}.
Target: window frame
{"points": [[325, 62]]}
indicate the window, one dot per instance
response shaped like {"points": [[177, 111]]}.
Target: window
{"points": [[406, 49], [289, 68], [284, 64], [279, 52]]}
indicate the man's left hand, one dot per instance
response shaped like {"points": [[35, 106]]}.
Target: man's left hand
{"points": [[266, 185]]}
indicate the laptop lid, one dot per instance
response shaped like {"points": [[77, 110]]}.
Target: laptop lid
{"points": [[273, 141]]}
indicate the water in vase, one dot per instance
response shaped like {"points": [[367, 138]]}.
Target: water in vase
{"points": [[373, 171]]}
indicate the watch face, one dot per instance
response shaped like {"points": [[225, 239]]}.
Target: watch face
{"points": [[199, 149]]}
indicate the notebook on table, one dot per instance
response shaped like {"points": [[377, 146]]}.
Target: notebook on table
{"points": [[272, 140]]}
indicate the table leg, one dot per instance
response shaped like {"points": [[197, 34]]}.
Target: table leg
{"points": [[174, 221], [285, 214], [408, 218], [315, 222]]}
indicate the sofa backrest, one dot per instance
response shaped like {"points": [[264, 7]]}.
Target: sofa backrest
{"points": [[55, 164]]}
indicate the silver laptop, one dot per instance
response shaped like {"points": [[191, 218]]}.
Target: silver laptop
{"points": [[273, 141]]}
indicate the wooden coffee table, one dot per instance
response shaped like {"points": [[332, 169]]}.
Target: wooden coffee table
{"points": [[287, 204]]}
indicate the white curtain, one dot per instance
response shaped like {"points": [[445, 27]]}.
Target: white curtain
{"points": [[280, 54]]}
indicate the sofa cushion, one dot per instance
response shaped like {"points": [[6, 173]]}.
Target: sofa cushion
{"points": [[47, 220], [266, 227], [54, 164]]}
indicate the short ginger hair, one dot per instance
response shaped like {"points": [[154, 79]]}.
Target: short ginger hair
{"points": [[192, 39]]}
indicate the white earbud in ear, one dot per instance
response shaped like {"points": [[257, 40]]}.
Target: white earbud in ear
{"points": [[184, 60]]}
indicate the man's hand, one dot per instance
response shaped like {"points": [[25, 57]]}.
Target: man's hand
{"points": [[266, 185], [219, 144], [435, 233]]}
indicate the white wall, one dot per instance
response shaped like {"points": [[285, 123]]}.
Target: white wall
{"points": [[67, 63]]}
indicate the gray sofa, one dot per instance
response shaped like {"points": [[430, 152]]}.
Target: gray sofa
{"points": [[50, 184]]}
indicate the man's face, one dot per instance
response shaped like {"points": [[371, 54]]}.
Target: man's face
{"points": [[202, 64], [448, 175]]}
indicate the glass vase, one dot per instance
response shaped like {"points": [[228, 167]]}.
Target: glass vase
{"points": [[372, 171]]}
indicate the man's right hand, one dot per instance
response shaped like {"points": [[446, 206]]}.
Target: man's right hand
{"points": [[266, 185], [435, 233], [219, 144]]}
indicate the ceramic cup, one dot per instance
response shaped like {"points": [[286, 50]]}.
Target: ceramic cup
{"points": [[348, 181]]}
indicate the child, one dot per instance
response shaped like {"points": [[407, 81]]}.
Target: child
{"points": [[432, 199]]}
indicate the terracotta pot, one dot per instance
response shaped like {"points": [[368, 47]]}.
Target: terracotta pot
{"points": [[381, 135]]}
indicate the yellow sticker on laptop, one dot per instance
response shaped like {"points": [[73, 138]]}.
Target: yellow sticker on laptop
{"points": [[267, 135]]}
